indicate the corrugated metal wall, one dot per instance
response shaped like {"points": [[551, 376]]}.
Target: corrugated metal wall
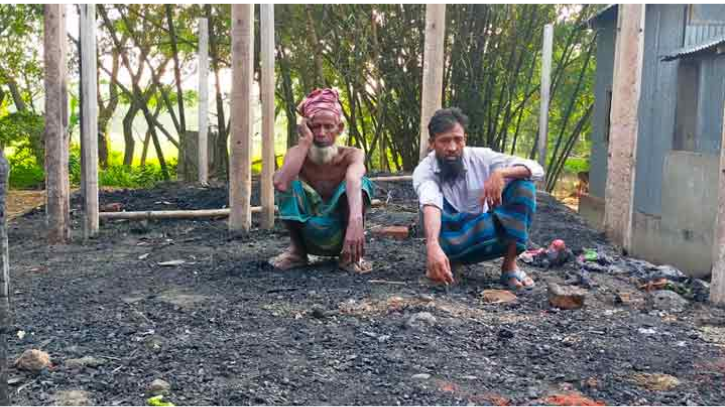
{"points": [[697, 34], [664, 33], [602, 86], [710, 104]]}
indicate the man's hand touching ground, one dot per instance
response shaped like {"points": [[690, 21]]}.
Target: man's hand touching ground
{"points": [[438, 265], [353, 248]]}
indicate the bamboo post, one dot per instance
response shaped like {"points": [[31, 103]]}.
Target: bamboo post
{"points": [[545, 92], [431, 98], [717, 288], [89, 107], [203, 146], [240, 170], [189, 213], [5, 320], [266, 15], [619, 193], [56, 125]]}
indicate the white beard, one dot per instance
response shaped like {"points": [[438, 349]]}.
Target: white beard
{"points": [[322, 155]]}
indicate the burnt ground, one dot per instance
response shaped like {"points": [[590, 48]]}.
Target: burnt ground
{"points": [[224, 329]]}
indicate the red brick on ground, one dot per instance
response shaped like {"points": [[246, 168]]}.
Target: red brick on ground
{"points": [[393, 232], [571, 399]]}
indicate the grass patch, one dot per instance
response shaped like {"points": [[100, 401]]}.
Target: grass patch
{"points": [[26, 173]]}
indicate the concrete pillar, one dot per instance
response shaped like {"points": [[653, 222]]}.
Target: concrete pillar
{"points": [[619, 194]]}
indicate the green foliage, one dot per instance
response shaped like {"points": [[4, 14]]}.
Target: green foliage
{"points": [[25, 173], [575, 165], [24, 132], [136, 176]]}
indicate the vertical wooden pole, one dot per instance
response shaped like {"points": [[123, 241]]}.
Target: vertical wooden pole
{"points": [[240, 170], [89, 106], [203, 101], [619, 193], [56, 125], [435, 29], [267, 90], [5, 320], [717, 288], [545, 91]]}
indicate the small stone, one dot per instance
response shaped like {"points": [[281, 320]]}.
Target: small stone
{"points": [[666, 300], [497, 296], [383, 338], [421, 376], [426, 297], [656, 381], [506, 334], [532, 392], [33, 360], [72, 398], [647, 331], [84, 361], [421, 318], [158, 387], [154, 343], [566, 297], [318, 312]]}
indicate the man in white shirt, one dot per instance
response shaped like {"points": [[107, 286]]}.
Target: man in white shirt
{"points": [[477, 204]]}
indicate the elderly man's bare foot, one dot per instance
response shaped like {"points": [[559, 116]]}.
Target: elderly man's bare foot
{"points": [[361, 267], [288, 260]]}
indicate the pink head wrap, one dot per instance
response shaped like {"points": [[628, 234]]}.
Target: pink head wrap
{"points": [[319, 100]]}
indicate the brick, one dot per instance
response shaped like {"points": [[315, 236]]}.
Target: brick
{"points": [[566, 297], [571, 399], [497, 296], [393, 232], [112, 207]]}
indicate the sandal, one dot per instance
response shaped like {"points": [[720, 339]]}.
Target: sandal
{"points": [[507, 278]]}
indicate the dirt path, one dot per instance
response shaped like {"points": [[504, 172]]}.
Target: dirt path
{"points": [[21, 202], [224, 329]]}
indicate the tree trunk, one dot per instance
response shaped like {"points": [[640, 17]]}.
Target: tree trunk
{"points": [[315, 46], [289, 97], [221, 154], [17, 97], [183, 155], [106, 111], [129, 142]]}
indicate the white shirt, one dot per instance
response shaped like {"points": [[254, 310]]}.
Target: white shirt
{"points": [[465, 191]]}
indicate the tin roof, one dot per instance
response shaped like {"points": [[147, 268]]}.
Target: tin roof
{"points": [[591, 22], [695, 49]]}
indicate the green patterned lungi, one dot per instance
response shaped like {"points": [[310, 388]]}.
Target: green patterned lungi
{"points": [[323, 225]]}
